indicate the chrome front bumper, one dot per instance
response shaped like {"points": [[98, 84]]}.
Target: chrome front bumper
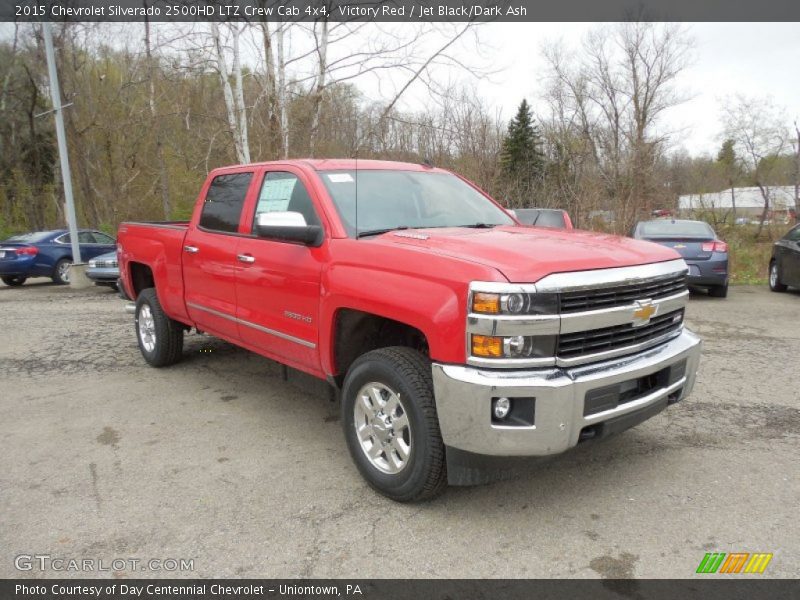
{"points": [[464, 396]]}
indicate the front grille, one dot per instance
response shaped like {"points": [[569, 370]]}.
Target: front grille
{"points": [[622, 295], [620, 336]]}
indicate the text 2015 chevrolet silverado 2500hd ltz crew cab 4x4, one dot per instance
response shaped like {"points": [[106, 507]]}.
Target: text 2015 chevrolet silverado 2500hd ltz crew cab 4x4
{"points": [[454, 335]]}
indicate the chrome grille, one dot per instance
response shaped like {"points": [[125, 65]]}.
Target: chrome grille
{"points": [[609, 297], [617, 337]]}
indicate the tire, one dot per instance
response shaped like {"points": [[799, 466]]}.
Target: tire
{"points": [[61, 271], [160, 338], [718, 291], [775, 278], [389, 392], [14, 280]]}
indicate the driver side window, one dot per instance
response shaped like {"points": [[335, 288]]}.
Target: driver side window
{"points": [[282, 192], [794, 234]]}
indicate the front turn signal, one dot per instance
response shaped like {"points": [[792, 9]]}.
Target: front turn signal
{"points": [[486, 303], [487, 346]]}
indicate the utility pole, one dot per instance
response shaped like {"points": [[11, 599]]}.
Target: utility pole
{"points": [[66, 175]]}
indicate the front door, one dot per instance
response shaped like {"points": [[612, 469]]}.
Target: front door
{"points": [[209, 256], [278, 283]]}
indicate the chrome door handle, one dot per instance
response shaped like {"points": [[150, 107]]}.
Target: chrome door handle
{"points": [[246, 258], [191, 249]]}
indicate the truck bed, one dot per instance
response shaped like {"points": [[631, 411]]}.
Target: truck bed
{"points": [[160, 246]]}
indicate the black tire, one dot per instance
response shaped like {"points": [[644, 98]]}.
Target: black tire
{"points": [[167, 338], [14, 280], [775, 282], [718, 291], [59, 276], [407, 372]]}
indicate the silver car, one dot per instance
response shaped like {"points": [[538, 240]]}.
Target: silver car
{"points": [[104, 270]]}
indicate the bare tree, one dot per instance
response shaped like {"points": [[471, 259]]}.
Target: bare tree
{"points": [[234, 97], [758, 128]]}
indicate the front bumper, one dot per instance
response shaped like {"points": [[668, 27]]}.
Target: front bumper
{"points": [[464, 396], [103, 274]]}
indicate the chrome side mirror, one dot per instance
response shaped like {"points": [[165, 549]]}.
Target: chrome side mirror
{"points": [[287, 226]]}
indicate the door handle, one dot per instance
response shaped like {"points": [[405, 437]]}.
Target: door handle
{"points": [[246, 258], [191, 249]]}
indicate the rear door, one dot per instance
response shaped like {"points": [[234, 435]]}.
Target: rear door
{"points": [[209, 255], [278, 283]]}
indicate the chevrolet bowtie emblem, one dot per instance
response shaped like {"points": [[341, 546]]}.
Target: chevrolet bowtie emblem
{"points": [[644, 311]]}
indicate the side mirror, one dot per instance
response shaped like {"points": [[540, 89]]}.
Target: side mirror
{"points": [[288, 227]]}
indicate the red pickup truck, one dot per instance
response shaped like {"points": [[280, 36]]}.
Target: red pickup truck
{"points": [[455, 338]]}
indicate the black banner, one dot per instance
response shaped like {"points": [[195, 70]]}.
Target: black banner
{"points": [[399, 10], [734, 588]]}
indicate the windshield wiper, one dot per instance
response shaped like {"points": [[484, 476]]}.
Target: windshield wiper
{"points": [[479, 225], [369, 232]]}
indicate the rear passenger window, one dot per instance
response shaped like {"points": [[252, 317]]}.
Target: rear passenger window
{"points": [[224, 202]]}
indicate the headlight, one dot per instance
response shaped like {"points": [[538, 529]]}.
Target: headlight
{"points": [[515, 346], [92, 264], [517, 303]]}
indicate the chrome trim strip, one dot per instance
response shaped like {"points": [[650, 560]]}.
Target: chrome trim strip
{"points": [[510, 363], [513, 325], [284, 336], [618, 315], [634, 405], [605, 278]]}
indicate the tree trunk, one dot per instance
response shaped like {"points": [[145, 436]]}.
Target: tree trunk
{"points": [[227, 94], [244, 138], [281, 96], [155, 127], [322, 52]]}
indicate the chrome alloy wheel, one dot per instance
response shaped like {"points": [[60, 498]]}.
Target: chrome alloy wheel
{"points": [[63, 271], [382, 427], [147, 328], [773, 275]]}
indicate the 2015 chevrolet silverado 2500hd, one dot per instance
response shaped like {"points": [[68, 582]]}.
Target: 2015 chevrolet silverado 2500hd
{"points": [[454, 335]]}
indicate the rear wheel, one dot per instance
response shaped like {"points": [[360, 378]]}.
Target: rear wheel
{"points": [[390, 424], [160, 338], [14, 280], [775, 278], [61, 271], [719, 291]]}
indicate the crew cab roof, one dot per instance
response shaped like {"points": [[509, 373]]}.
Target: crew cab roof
{"points": [[345, 164]]}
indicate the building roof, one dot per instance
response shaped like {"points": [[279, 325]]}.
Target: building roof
{"points": [[781, 198]]}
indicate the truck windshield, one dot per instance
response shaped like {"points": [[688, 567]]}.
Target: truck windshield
{"points": [[388, 200]]}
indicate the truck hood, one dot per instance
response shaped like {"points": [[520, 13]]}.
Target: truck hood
{"points": [[526, 254]]}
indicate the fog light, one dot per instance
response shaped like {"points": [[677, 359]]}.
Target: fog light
{"points": [[501, 408]]}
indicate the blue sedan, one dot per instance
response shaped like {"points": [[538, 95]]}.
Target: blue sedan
{"points": [[48, 254]]}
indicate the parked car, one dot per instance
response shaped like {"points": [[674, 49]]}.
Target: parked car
{"points": [[48, 254], [455, 337], [696, 242], [544, 217], [784, 266], [103, 270]]}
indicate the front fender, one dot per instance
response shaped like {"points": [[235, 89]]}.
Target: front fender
{"points": [[434, 307]]}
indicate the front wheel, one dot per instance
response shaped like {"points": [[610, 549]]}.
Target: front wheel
{"points": [[14, 280], [160, 338], [775, 278], [390, 424]]}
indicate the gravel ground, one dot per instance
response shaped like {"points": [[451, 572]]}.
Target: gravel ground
{"points": [[220, 461]]}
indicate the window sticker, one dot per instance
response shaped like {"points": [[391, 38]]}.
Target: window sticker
{"points": [[275, 195], [340, 178]]}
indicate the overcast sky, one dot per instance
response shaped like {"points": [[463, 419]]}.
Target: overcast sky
{"points": [[730, 58]]}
